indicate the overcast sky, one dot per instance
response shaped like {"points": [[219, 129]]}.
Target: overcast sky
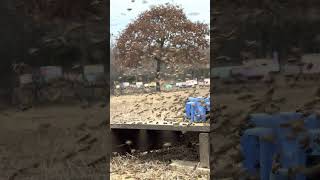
{"points": [[196, 10]]}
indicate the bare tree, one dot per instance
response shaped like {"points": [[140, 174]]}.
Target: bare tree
{"points": [[163, 34]]}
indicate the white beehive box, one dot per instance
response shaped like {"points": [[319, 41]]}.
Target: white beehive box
{"points": [[25, 79], [92, 72], [51, 72], [207, 81], [139, 84]]}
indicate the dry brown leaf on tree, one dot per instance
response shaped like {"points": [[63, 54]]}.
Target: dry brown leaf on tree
{"points": [[165, 35]]}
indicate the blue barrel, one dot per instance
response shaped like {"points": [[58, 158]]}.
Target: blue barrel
{"points": [[188, 109], [312, 122], [262, 120], [192, 99], [291, 155], [314, 135], [195, 111], [287, 116], [200, 112], [267, 151], [251, 149], [208, 106], [195, 99], [267, 120], [207, 102], [290, 151], [282, 174], [192, 111]]}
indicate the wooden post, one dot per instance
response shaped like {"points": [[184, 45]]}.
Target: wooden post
{"points": [[143, 141], [204, 150]]}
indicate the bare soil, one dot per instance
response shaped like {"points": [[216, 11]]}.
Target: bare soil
{"points": [[163, 106], [53, 142]]}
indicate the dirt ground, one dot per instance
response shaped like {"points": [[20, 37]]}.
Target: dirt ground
{"points": [[163, 106], [53, 142]]}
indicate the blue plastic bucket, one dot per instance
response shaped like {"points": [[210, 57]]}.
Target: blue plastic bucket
{"points": [[261, 120], [200, 112], [291, 154], [195, 111], [251, 148], [267, 151], [312, 122], [267, 120], [282, 174], [188, 109], [314, 135]]}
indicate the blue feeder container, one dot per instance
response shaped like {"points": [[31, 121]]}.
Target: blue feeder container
{"points": [[261, 120], [188, 109], [199, 112], [195, 99], [195, 111], [207, 101], [208, 106], [267, 151], [290, 151], [312, 122], [314, 135], [282, 174], [192, 99], [291, 154], [287, 116], [251, 148], [271, 121]]}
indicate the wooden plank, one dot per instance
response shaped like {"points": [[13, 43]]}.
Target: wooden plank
{"points": [[201, 127]]}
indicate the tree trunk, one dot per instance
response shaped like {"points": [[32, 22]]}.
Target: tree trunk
{"points": [[158, 89]]}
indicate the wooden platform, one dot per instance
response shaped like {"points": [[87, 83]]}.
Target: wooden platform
{"points": [[202, 128], [163, 125]]}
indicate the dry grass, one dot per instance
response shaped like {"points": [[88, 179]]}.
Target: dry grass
{"points": [[155, 165]]}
